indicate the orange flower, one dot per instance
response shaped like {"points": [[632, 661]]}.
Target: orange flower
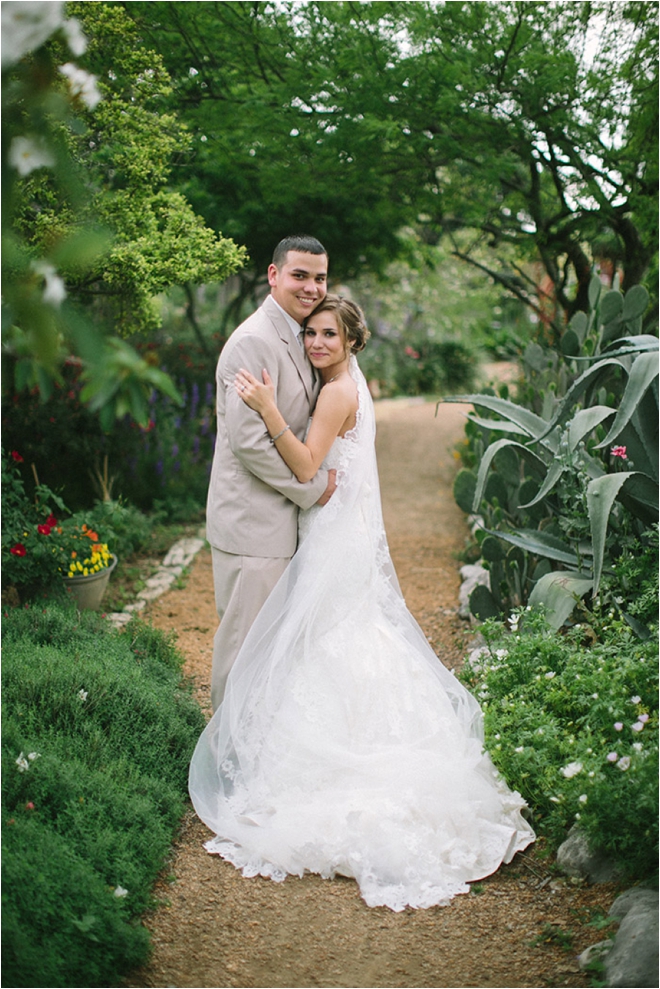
{"points": [[91, 534]]}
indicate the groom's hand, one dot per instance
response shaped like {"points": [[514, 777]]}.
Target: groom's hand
{"points": [[330, 490]]}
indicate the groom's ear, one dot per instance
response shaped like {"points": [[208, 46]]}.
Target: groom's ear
{"points": [[272, 275]]}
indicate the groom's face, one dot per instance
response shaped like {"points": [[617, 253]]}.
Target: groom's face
{"points": [[300, 283]]}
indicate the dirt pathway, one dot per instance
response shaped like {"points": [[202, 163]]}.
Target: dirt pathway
{"points": [[213, 928]]}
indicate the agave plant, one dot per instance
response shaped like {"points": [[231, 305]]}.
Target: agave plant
{"points": [[524, 476]]}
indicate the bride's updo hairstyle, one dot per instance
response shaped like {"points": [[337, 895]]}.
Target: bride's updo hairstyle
{"points": [[350, 320]]}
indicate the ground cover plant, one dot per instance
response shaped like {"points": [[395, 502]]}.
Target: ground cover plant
{"points": [[97, 734], [571, 721]]}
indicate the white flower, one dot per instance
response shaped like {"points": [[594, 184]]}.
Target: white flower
{"points": [[594, 697], [82, 694], [501, 653], [521, 748], [637, 746], [54, 290], [76, 40], [635, 700], [612, 756], [22, 763], [571, 770], [549, 676], [120, 891], [27, 153], [33, 755], [555, 800], [638, 726], [624, 762], [81, 84], [25, 26], [583, 798]]}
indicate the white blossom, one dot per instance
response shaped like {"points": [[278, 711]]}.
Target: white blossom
{"points": [[120, 891], [27, 153], [571, 770], [22, 763], [550, 675], [583, 798], [81, 84], [624, 762], [54, 290], [26, 25], [76, 40], [521, 748], [82, 694]]}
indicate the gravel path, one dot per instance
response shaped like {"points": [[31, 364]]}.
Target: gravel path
{"points": [[214, 928]]}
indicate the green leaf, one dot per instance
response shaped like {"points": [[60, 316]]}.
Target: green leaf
{"points": [[601, 494], [584, 421], [540, 544], [555, 471], [529, 422], [487, 459], [559, 592], [611, 306], [635, 303], [642, 373]]}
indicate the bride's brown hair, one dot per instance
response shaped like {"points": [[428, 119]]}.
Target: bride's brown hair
{"points": [[350, 320]]}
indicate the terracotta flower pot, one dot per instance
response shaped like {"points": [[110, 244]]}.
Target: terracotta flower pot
{"points": [[88, 590]]}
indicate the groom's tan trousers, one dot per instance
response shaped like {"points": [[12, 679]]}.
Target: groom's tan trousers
{"points": [[242, 584]]}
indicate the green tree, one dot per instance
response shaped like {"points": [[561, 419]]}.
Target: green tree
{"points": [[91, 231], [531, 125]]}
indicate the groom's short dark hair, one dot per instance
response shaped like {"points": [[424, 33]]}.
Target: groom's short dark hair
{"points": [[297, 242]]}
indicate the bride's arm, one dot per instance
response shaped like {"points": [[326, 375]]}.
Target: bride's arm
{"points": [[336, 404]]}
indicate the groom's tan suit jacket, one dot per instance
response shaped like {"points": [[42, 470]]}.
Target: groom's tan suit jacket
{"points": [[253, 499]]}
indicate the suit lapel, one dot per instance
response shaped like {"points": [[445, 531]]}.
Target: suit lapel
{"points": [[296, 354]]}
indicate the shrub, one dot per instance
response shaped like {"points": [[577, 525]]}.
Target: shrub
{"points": [[97, 735], [165, 464], [572, 723]]}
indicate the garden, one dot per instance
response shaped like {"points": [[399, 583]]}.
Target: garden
{"points": [[121, 166]]}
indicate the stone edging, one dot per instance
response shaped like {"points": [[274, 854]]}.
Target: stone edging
{"points": [[178, 557]]}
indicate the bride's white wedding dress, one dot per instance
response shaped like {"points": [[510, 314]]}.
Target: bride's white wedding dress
{"points": [[343, 745]]}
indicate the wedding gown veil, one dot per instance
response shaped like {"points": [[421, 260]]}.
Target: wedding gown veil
{"points": [[343, 745]]}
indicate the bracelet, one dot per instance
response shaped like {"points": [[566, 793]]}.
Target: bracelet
{"points": [[273, 439]]}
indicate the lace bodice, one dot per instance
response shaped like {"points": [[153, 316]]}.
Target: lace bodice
{"points": [[336, 457]]}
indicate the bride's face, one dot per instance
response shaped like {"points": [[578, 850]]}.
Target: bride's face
{"points": [[325, 344]]}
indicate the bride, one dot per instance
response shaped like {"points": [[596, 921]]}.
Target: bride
{"points": [[343, 745]]}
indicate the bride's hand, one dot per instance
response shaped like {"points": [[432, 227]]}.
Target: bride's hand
{"points": [[255, 394]]}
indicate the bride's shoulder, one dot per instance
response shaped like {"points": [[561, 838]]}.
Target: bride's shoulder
{"points": [[341, 391]]}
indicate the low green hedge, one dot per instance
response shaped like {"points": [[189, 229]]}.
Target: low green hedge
{"points": [[97, 732]]}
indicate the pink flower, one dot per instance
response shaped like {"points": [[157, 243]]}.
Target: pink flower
{"points": [[637, 726], [643, 718], [618, 726], [612, 756], [619, 451], [412, 353], [29, 805], [17, 457]]}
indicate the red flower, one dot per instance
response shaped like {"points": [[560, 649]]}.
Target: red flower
{"points": [[412, 353], [17, 457], [18, 550], [619, 451], [51, 521], [43, 530]]}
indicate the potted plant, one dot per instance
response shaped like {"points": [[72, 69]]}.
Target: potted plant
{"points": [[39, 546]]}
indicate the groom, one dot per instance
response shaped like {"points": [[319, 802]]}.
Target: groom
{"points": [[253, 499]]}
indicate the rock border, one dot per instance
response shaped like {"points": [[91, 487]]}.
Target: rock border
{"points": [[179, 556]]}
